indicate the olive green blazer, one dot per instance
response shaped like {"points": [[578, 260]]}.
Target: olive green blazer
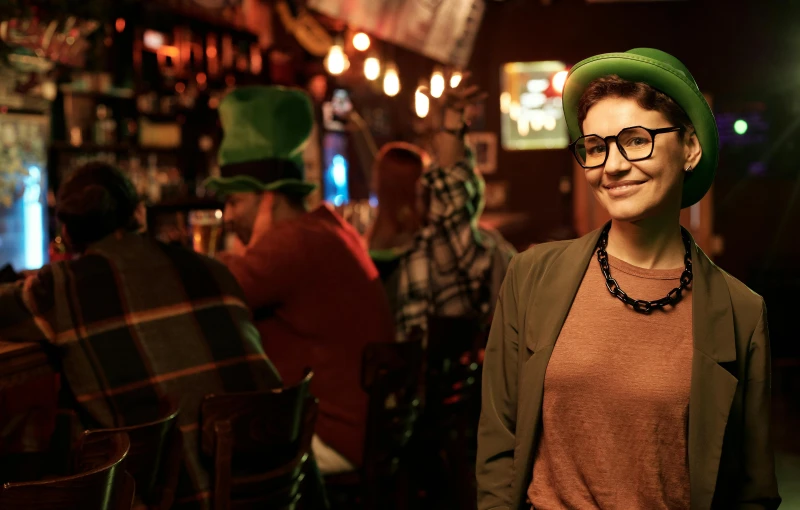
{"points": [[731, 461]]}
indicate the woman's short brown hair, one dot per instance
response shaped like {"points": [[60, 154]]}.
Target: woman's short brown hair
{"points": [[645, 96]]}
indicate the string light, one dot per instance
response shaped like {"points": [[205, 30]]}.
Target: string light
{"points": [[372, 68], [455, 79], [422, 104], [391, 81], [361, 41], [437, 83], [336, 61]]}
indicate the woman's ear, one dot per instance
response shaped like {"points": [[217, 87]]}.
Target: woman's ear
{"points": [[692, 151]]}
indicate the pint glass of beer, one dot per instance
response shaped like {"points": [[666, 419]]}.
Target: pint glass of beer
{"points": [[205, 228]]}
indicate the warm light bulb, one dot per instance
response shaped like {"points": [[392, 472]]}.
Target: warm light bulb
{"points": [[335, 62], [372, 68], [437, 83], [422, 104], [391, 81], [455, 79], [361, 41]]}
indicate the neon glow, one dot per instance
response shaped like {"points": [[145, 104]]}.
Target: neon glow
{"points": [[339, 171], [32, 221], [559, 79]]}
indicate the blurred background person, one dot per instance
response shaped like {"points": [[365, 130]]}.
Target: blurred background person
{"points": [[315, 293], [135, 322]]}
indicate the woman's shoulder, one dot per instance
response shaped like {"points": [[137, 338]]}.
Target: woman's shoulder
{"points": [[536, 259], [748, 306]]}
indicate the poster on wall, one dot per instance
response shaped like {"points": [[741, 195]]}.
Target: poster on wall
{"points": [[443, 30], [531, 115]]}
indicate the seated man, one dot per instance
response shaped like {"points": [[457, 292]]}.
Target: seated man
{"points": [[136, 321], [314, 291]]}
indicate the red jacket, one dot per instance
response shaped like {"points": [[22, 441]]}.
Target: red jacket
{"points": [[317, 301]]}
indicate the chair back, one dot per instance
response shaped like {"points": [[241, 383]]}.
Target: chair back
{"points": [[104, 485], [391, 377], [154, 457], [259, 443], [453, 364]]}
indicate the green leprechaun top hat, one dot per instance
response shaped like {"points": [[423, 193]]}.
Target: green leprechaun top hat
{"points": [[663, 72], [265, 130]]}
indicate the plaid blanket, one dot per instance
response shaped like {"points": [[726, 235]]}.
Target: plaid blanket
{"points": [[136, 322], [446, 269]]}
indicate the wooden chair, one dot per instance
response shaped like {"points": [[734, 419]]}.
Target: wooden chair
{"points": [[260, 443], [453, 364], [390, 376], [105, 485], [154, 457], [448, 427]]}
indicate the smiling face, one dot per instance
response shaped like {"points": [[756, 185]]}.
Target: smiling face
{"points": [[638, 190]]}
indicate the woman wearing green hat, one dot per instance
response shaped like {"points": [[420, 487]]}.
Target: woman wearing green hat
{"points": [[624, 369]]}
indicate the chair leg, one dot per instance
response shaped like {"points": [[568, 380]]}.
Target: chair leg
{"points": [[222, 467], [314, 495]]}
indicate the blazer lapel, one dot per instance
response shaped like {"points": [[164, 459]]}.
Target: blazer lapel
{"points": [[554, 293], [713, 387]]}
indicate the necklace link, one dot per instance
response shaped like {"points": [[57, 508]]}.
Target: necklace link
{"points": [[641, 305]]}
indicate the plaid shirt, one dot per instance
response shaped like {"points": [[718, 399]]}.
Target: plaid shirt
{"points": [[135, 322], [446, 269]]}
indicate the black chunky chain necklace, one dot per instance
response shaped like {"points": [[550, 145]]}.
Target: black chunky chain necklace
{"points": [[641, 305]]}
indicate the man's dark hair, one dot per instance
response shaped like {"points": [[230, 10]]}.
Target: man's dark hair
{"points": [[296, 201], [95, 201]]}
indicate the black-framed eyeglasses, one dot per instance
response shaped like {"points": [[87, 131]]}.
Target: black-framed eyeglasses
{"points": [[634, 143]]}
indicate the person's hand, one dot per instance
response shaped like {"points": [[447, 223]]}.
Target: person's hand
{"points": [[460, 103]]}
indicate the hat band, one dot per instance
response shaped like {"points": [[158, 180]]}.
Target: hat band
{"points": [[265, 170]]}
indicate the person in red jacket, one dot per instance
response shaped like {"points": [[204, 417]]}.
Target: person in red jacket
{"points": [[314, 291]]}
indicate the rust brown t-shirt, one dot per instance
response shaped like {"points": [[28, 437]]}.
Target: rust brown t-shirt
{"points": [[616, 399]]}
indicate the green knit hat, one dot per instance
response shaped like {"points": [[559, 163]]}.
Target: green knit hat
{"points": [[266, 129], [663, 72]]}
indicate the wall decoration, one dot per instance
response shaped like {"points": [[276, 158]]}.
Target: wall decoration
{"points": [[485, 146], [443, 30], [496, 195], [531, 107]]}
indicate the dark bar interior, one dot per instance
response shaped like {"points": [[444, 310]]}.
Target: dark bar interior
{"points": [[399, 254]]}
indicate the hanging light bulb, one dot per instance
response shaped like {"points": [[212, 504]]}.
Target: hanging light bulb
{"points": [[336, 60], [455, 79], [422, 104], [437, 83], [372, 68], [391, 80], [361, 41]]}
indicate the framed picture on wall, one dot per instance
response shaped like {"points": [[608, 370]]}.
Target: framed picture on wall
{"points": [[485, 146]]}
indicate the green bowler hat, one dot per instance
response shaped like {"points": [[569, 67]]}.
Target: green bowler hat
{"points": [[265, 130], [667, 74]]}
